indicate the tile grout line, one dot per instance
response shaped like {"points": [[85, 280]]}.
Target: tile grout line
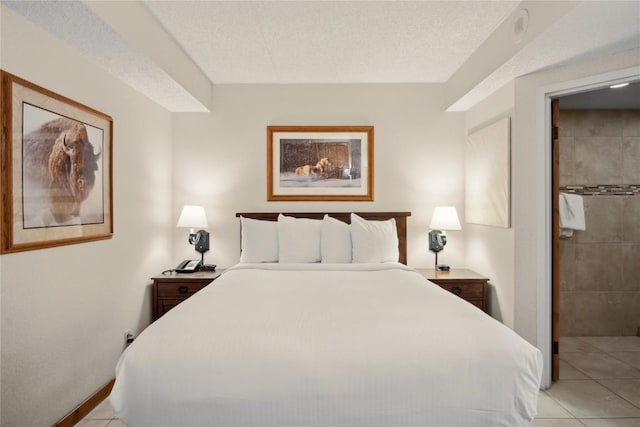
{"points": [[590, 378], [616, 393], [624, 361], [559, 404], [629, 365], [633, 368], [562, 406], [599, 380]]}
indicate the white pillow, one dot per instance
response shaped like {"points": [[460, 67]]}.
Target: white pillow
{"points": [[259, 240], [299, 239], [374, 241], [335, 241]]}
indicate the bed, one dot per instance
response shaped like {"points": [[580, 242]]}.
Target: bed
{"points": [[368, 342]]}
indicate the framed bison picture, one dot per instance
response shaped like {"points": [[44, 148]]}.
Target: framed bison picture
{"points": [[56, 169], [320, 163]]}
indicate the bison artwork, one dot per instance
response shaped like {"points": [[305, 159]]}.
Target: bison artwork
{"points": [[59, 172]]}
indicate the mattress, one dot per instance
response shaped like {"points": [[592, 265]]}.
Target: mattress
{"points": [[326, 345]]}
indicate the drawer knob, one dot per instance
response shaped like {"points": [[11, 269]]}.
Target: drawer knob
{"points": [[183, 289], [456, 290]]}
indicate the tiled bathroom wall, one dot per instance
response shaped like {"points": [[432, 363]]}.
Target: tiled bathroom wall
{"points": [[600, 267]]}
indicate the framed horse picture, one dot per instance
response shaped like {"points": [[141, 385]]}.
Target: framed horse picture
{"points": [[320, 163]]}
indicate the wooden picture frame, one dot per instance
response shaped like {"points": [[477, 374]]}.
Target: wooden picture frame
{"points": [[320, 163], [56, 167]]}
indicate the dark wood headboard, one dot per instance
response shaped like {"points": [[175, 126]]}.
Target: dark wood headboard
{"points": [[400, 217]]}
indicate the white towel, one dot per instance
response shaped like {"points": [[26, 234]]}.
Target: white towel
{"points": [[571, 214]]}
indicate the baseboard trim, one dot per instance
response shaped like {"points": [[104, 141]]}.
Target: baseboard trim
{"points": [[74, 417]]}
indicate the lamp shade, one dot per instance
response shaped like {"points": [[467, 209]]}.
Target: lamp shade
{"points": [[192, 217], [445, 218]]}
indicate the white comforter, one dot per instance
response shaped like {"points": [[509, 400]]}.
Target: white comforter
{"points": [[316, 345]]}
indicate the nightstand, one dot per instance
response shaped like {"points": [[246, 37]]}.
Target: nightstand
{"points": [[171, 289], [466, 284]]}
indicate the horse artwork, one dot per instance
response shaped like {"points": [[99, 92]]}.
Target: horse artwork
{"points": [[319, 169], [320, 163], [327, 163]]}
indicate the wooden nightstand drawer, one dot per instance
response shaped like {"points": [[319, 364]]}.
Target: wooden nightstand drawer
{"points": [[478, 303], [179, 289], [463, 290], [171, 290], [466, 284], [166, 304]]}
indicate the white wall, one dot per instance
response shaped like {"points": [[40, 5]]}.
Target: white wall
{"points": [[219, 159], [64, 310], [530, 177], [531, 199], [489, 250], [517, 259]]}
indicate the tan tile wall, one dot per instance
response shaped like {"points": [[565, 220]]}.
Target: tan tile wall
{"points": [[600, 267]]}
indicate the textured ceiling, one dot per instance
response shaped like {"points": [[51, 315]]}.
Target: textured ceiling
{"points": [[593, 29], [231, 42], [74, 24], [330, 42]]}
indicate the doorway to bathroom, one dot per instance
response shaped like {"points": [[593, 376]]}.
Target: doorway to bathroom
{"points": [[596, 265]]}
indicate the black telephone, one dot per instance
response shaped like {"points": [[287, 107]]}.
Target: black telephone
{"points": [[188, 266], [193, 265]]}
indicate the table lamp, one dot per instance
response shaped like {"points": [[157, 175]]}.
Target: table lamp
{"points": [[193, 217], [444, 218]]}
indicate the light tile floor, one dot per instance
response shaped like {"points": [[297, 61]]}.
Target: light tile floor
{"points": [[599, 386]]}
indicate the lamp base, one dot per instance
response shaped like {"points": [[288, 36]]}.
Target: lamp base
{"points": [[435, 265]]}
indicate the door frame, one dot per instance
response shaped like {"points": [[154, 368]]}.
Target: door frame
{"points": [[543, 107]]}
